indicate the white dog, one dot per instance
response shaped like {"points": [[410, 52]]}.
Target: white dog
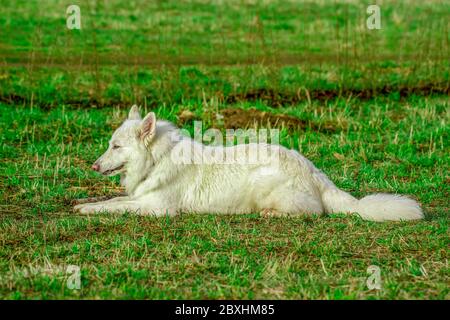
{"points": [[142, 152]]}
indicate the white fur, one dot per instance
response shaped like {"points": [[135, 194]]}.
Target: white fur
{"points": [[292, 185]]}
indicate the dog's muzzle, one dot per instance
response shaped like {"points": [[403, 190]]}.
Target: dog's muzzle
{"points": [[110, 171]]}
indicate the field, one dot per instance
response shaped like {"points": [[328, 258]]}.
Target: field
{"points": [[369, 107]]}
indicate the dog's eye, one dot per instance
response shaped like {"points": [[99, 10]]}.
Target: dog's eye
{"points": [[116, 146]]}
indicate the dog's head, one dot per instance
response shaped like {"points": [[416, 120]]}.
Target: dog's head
{"points": [[127, 143]]}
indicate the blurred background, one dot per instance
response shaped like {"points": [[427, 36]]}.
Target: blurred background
{"points": [[153, 52]]}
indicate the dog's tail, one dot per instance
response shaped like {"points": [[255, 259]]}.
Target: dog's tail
{"points": [[375, 207]]}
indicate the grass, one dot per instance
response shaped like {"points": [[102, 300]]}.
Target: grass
{"points": [[373, 120]]}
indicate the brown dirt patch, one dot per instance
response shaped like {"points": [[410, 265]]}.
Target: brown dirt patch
{"points": [[236, 118]]}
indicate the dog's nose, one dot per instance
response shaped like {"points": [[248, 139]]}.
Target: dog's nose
{"points": [[96, 167]]}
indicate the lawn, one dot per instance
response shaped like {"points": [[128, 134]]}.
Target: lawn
{"points": [[369, 107]]}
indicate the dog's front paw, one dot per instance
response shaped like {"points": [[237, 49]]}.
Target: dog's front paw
{"points": [[85, 208]]}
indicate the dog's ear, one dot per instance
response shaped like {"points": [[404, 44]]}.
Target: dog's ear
{"points": [[148, 128], [134, 113]]}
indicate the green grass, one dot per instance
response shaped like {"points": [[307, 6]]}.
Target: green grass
{"points": [[377, 121]]}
